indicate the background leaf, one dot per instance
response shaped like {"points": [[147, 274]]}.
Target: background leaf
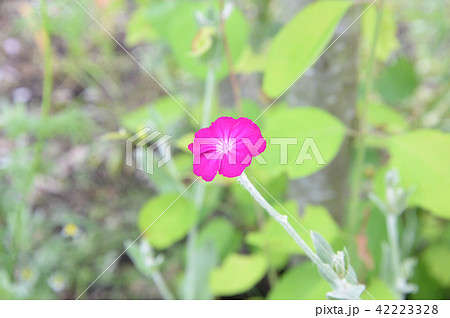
{"points": [[387, 41], [437, 259], [300, 42], [184, 28], [304, 122], [386, 118], [238, 274], [222, 234], [300, 282], [397, 81], [419, 156], [172, 226], [379, 290]]}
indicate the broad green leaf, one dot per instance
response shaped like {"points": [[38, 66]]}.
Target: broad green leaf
{"points": [[318, 134], [428, 287], [139, 28], [437, 260], [157, 115], [238, 274], [300, 42], [387, 41], [422, 158], [302, 282], [386, 118], [150, 21], [379, 290], [251, 62], [272, 239], [250, 109], [398, 81], [318, 219], [184, 28], [432, 229], [222, 234], [167, 218]]}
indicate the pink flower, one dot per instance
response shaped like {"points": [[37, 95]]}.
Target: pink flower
{"points": [[226, 147]]}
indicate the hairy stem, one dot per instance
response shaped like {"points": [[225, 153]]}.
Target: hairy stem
{"points": [[162, 286], [392, 228], [280, 218]]}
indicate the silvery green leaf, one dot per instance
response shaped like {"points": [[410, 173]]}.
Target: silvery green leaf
{"points": [[325, 273], [352, 277], [346, 259], [408, 266], [392, 177], [353, 292], [409, 233], [323, 248], [142, 257], [339, 264], [378, 202]]}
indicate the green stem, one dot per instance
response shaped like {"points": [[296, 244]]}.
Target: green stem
{"points": [[22, 217], [199, 195], [162, 286], [232, 72], [209, 94], [47, 83], [354, 217], [158, 279], [48, 68]]}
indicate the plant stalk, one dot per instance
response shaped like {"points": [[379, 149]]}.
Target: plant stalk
{"points": [[162, 286], [280, 218], [47, 87], [232, 73], [199, 196], [394, 245], [354, 217]]}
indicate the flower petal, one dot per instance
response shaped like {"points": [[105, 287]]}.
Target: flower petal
{"points": [[232, 163], [207, 168]]}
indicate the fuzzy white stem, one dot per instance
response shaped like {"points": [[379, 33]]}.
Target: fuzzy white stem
{"points": [[280, 218]]}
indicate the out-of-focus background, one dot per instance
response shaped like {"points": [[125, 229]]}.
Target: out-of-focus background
{"points": [[70, 95]]}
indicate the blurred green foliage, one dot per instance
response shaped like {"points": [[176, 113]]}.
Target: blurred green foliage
{"points": [[66, 212]]}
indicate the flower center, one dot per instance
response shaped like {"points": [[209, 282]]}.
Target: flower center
{"points": [[226, 145]]}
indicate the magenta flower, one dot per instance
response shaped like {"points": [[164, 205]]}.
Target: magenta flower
{"points": [[226, 147]]}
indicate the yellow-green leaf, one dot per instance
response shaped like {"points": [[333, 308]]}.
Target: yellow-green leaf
{"points": [[422, 159], [166, 219], [387, 41], [238, 274], [318, 133], [301, 282], [300, 42]]}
